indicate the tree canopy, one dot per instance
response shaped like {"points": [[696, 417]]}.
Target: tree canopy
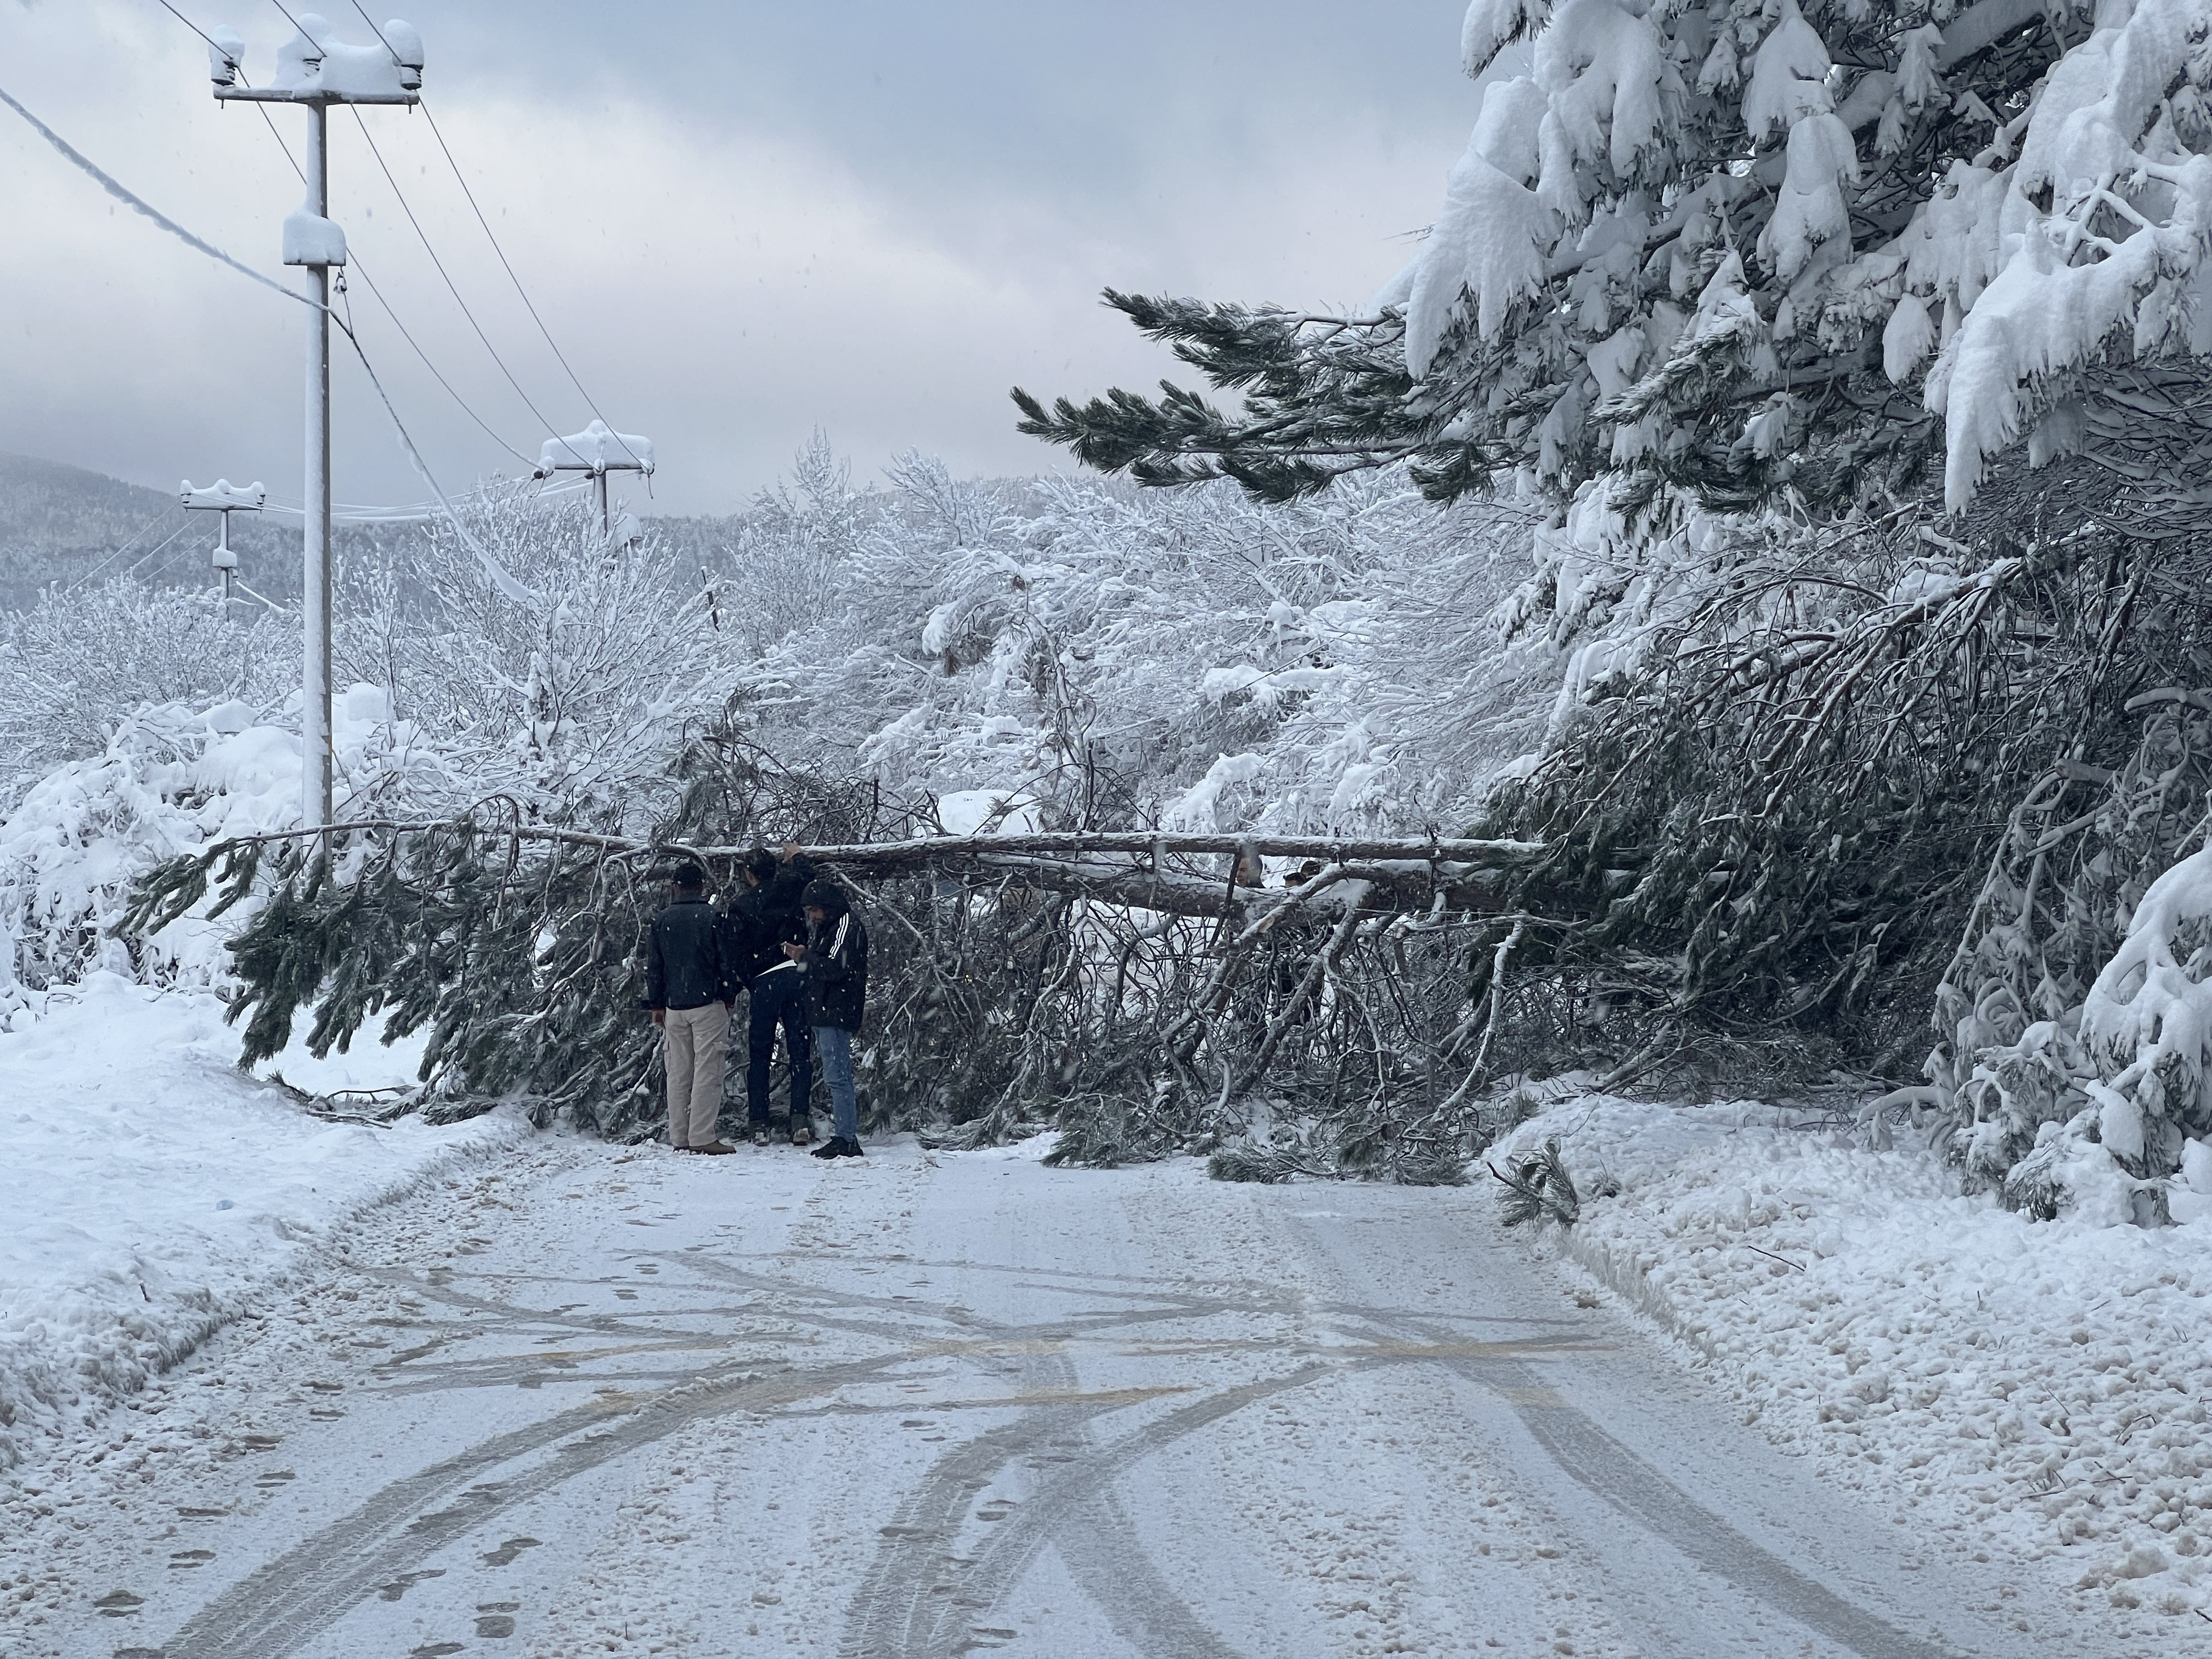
{"points": [[1730, 252]]}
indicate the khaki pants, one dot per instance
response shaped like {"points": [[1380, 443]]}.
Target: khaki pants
{"points": [[698, 1044]]}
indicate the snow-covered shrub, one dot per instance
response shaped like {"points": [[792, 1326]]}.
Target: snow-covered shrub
{"points": [[2122, 1074], [1190, 659], [566, 695], [75, 665], [566, 704], [784, 566], [2068, 1016], [171, 781]]}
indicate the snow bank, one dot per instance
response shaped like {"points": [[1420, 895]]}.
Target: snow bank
{"points": [[153, 1193], [172, 779], [2040, 1382]]}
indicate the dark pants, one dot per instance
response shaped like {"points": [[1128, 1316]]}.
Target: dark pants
{"points": [[779, 998]]}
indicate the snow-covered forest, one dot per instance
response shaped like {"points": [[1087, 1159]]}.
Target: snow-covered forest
{"points": [[1760, 500]]}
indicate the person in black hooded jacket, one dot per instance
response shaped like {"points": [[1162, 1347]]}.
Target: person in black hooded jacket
{"points": [[834, 959], [764, 918]]}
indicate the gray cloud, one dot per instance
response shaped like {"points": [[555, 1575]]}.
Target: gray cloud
{"points": [[743, 222]]}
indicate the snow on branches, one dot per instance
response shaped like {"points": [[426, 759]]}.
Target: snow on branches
{"points": [[2101, 228], [2009, 197], [1946, 228]]}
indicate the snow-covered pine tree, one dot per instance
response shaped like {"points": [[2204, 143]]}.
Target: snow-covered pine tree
{"points": [[1726, 253], [1748, 293]]}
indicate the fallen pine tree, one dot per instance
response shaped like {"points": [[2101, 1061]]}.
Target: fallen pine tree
{"points": [[1143, 991]]}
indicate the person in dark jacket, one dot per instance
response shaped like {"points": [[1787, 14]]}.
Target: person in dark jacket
{"points": [[834, 960], [690, 989], [764, 918]]}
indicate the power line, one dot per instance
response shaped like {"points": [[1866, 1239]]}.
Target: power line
{"points": [[188, 548], [372, 29], [141, 535], [376, 293], [281, 610], [142, 558], [359, 269], [137, 204], [500, 577], [295, 22], [551, 431], [461, 179], [412, 512], [188, 23], [139, 563]]}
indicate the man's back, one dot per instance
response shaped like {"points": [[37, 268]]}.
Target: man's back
{"points": [[686, 966]]}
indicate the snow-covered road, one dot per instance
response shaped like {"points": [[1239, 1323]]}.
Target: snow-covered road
{"points": [[579, 1400]]}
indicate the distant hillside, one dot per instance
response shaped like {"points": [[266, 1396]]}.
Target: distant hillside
{"points": [[56, 521], [63, 524], [60, 524], [51, 507]]}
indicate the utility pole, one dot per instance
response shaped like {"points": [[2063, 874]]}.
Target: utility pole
{"points": [[599, 450], [224, 497], [315, 70]]}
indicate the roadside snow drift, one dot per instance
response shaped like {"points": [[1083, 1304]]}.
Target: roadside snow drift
{"points": [[2044, 1381], [153, 1192]]}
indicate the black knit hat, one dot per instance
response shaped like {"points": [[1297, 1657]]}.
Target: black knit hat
{"points": [[826, 893]]}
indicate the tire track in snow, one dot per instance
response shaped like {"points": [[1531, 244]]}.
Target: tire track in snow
{"points": [[289, 1601], [1073, 1510], [286, 1602], [921, 1599], [1606, 1467], [1610, 1470], [904, 1607]]}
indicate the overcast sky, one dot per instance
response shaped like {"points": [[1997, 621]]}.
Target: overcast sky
{"points": [[742, 222]]}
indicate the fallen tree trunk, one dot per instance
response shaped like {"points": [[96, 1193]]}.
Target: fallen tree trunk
{"points": [[1334, 849], [1129, 867], [1401, 884], [922, 850]]}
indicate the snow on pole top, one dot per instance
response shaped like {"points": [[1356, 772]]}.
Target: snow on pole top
{"points": [[226, 51], [315, 63], [597, 448], [224, 494], [310, 240]]}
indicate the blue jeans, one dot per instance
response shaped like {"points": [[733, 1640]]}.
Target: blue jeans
{"points": [[778, 999], [835, 1043]]}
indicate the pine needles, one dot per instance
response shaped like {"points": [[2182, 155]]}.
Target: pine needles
{"points": [[1538, 1189]]}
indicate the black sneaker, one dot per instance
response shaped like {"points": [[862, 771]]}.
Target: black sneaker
{"points": [[851, 1149], [830, 1149]]}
